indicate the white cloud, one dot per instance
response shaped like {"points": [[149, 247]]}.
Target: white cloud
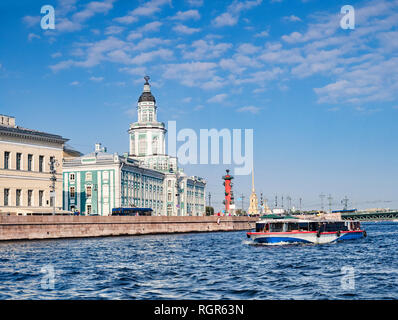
{"points": [[357, 64], [75, 23], [137, 71], [30, 21], [248, 48], [205, 50], [190, 74], [145, 57], [151, 26], [231, 16], [74, 83], [218, 98], [262, 34], [96, 79], [56, 55], [195, 3], [187, 15], [32, 36], [113, 30], [249, 109], [180, 28], [147, 9], [134, 35], [148, 43], [292, 18], [225, 19]]}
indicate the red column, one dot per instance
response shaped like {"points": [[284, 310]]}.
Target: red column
{"points": [[227, 183]]}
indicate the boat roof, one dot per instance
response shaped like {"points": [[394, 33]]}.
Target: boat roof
{"points": [[296, 220]]}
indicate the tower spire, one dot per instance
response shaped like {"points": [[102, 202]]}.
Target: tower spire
{"points": [[147, 86], [253, 207]]}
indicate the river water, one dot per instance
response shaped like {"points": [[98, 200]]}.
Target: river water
{"points": [[221, 265]]}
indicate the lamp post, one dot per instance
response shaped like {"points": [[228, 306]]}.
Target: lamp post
{"points": [[96, 190], [53, 163]]}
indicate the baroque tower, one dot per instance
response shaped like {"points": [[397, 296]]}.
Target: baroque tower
{"points": [[147, 135], [253, 207]]}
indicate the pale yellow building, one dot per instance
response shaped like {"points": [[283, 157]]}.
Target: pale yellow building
{"points": [[25, 175]]}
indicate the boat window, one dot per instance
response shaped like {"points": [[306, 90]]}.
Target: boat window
{"points": [[292, 226], [334, 226], [260, 227], [313, 226], [304, 226], [276, 227]]}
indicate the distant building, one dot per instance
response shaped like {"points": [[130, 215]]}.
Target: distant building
{"points": [[24, 169], [145, 177]]}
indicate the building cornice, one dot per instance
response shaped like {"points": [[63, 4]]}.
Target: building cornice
{"points": [[27, 134]]}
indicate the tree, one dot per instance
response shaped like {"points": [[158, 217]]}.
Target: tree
{"points": [[209, 211], [240, 212]]}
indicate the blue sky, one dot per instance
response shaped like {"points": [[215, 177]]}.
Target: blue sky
{"points": [[322, 100]]}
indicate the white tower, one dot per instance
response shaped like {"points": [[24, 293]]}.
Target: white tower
{"points": [[147, 135]]}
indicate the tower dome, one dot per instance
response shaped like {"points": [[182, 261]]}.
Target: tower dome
{"points": [[147, 94]]}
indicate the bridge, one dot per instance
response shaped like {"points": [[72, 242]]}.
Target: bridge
{"points": [[384, 215]]}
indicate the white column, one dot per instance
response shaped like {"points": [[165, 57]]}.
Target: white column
{"points": [[132, 146], [136, 135], [99, 188], [149, 143], [78, 191]]}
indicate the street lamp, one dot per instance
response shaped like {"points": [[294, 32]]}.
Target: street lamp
{"points": [[53, 163]]}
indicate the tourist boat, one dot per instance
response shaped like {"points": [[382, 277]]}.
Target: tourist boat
{"points": [[294, 230]]}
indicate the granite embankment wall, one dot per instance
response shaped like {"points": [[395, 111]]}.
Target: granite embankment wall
{"points": [[53, 227]]}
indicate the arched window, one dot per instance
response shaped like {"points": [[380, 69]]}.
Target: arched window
{"points": [[142, 146], [155, 145]]}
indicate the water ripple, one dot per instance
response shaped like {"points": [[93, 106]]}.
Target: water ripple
{"points": [[201, 266]]}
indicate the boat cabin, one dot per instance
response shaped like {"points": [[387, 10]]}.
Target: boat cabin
{"points": [[281, 225]]}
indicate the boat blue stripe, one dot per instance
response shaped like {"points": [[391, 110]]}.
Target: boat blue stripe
{"points": [[279, 239]]}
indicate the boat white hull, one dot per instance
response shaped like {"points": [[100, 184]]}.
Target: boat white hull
{"points": [[304, 237]]}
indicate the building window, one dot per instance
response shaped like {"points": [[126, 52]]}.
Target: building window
{"points": [[19, 158], [41, 193], [30, 192], [169, 183], [18, 198], [88, 191], [169, 210], [72, 192], [6, 196], [72, 177], [41, 161], [106, 175], [6, 159], [169, 196], [88, 209], [89, 176], [142, 146], [30, 161]]}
